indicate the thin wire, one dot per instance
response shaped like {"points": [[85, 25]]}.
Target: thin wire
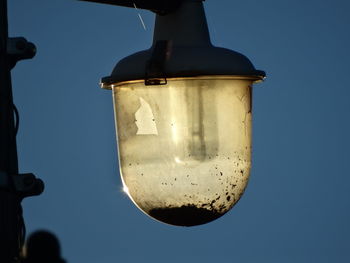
{"points": [[23, 232], [17, 118], [142, 22], [21, 225]]}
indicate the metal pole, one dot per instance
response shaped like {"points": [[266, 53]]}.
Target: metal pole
{"points": [[10, 203], [8, 149]]}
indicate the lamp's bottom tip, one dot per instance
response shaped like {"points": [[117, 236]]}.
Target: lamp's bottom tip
{"points": [[185, 215]]}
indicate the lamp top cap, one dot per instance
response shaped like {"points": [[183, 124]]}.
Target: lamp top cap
{"points": [[182, 48]]}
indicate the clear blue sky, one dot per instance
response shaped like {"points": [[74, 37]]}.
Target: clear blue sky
{"points": [[297, 205]]}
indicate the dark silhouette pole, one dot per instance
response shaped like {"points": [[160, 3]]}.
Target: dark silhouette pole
{"points": [[13, 186], [10, 206], [8, 150]]}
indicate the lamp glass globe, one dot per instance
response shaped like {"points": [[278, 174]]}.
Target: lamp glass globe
{"points": [[185, 147]]}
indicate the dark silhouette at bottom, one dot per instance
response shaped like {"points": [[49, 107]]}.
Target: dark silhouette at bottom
{"points": [[42, 247], [185, 215]]}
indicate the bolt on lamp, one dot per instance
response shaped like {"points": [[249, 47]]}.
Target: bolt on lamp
{"points": [[183, 113]]}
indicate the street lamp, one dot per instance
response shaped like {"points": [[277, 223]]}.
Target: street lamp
{"points": [[183, 113], [183, 118]]}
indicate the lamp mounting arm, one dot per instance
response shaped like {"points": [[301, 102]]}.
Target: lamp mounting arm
{"points": [[160, 7]]}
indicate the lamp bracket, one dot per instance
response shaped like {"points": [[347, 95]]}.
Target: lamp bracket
{"points": [[18, 48], [160, 7], [155, 73], [24, 185]]}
